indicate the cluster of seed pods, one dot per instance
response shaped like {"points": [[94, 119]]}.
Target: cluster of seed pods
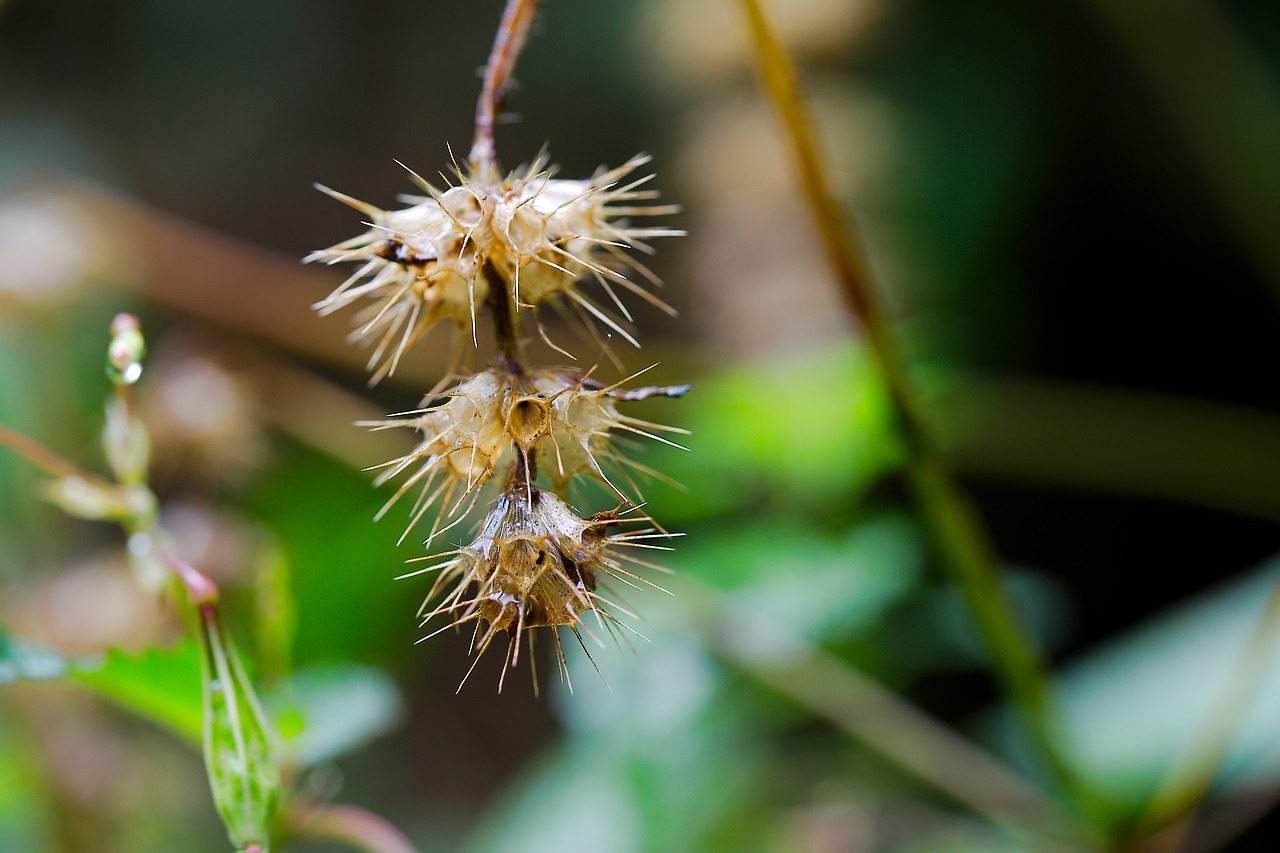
{"points": [[510, 245]]}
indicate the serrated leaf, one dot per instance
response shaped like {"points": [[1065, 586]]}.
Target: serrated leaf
{"points": [[162, 685]]}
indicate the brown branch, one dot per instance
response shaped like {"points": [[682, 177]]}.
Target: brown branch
{"points": [[507, 45]]}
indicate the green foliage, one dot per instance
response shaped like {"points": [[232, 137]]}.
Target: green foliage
{"points": [[162, 685], [326, 712], [793, 431], [1141, 703], [341, 563]]}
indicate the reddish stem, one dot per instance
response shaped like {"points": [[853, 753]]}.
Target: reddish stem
{"points": [[353, 825], [512, 34], [201, 591], [40, 455]]}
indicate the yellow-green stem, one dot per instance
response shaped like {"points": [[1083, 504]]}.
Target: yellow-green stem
{"points": [[959, 537]]}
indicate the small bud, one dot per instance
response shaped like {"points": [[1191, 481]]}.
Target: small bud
{"points": [[126, 351], [243, 774], [89, 499]]}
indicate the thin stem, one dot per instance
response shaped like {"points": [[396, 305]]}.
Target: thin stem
{"points": [[361, 829], [36, 453], [506, 328], [201, 591], [512, 34], [959, 536]]}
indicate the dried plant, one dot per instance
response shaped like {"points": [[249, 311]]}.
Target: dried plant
{"points": [[511, 244]]}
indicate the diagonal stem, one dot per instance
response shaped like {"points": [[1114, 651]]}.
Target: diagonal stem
{"points": [[959, 536], [875, 715], [53, 464], [352, 825]]}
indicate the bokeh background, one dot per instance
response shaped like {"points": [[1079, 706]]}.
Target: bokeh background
{"points": [[1072, 208]]}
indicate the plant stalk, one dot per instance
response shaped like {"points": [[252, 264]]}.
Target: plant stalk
{"points": [[42, 457], [959, 537], [508, 43]]}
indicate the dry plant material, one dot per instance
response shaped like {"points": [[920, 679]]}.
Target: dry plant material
{"points": [[511, 243]]}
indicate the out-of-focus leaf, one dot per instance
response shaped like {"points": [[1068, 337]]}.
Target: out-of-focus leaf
{"points": [[590, 787], [1134, 706], [325, 712], [22, 806], [160, 684], [676, 772], [803, 428], [341, 562], [973, 840], [821, 584], [275, 615], [23, 661]]}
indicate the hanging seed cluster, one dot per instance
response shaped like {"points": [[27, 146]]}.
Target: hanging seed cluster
{"points": [[509, 246]]}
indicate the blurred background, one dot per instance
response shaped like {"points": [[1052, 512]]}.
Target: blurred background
{"points": [[1072, 208]]}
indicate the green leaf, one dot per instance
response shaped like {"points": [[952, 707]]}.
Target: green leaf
{"points": [[824, 585], [162, 685], [1136, 705], [803, 430], [325, 712], [341, 562], [275, 615]]}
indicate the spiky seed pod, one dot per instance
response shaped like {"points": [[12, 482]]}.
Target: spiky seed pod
{"points": [[419, 265], [463, 436], [559, 421], [584, 423], [532, 233], [534, 564]]}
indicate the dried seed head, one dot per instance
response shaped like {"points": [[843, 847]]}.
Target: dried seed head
{"points": [[528, 232], [560, 422], [534, 564], [463, 435], [583, 419]]}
